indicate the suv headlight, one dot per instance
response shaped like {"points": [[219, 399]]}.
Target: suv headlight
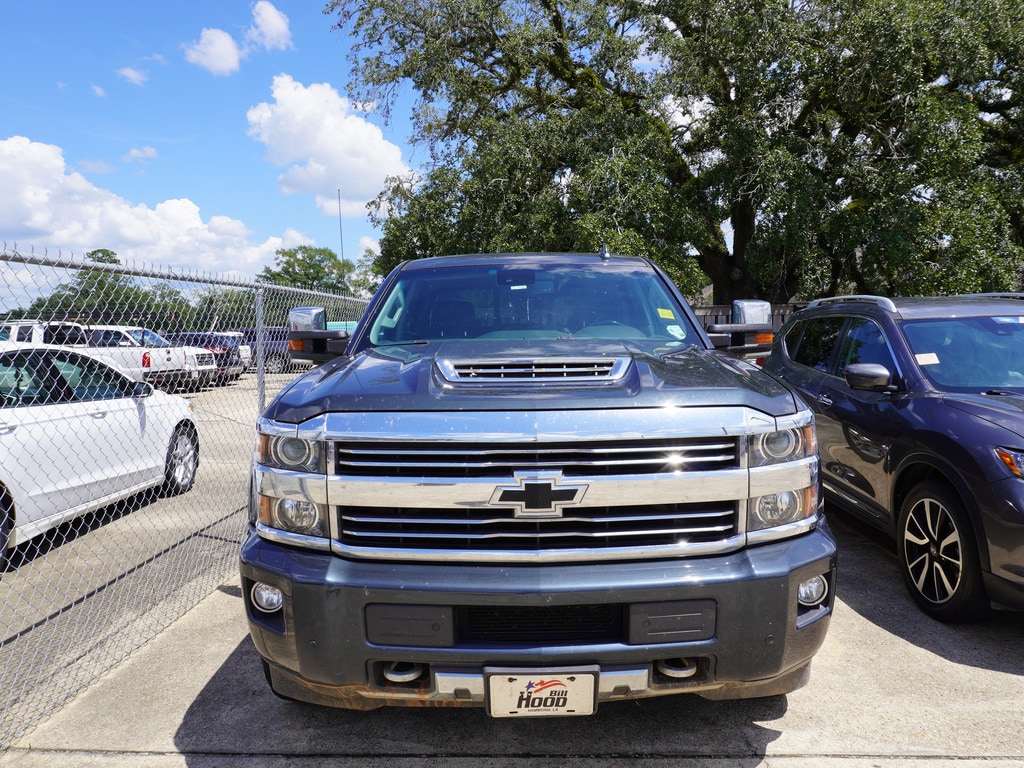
{"points": [[1014, 460]]}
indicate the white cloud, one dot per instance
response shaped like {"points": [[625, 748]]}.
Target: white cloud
{"points": [[99, 91], [370, 244], [139, 154], [216, 52], [324, 146], [43, 202], [132, 75], [270, 28]]}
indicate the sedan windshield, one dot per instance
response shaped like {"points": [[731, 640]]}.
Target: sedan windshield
{"points": [[536, 301], [969, 353]]}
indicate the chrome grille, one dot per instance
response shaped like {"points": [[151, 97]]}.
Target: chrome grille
{"points": [[497, 529], [205, 358], [528, 370], [500, 460]]}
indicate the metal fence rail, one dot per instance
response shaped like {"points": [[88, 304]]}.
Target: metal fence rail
{"points": [[80, 597]]}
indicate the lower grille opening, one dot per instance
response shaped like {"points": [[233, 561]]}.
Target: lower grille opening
{"points": [[550, 625]]}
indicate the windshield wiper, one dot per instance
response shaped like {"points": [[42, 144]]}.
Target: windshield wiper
{"points": [[682, 348], [411, 342]]}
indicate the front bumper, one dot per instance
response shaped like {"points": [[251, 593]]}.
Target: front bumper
{"points": [[345, 626]]}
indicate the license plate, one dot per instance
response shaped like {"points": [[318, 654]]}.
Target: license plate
{"points": [[550, 692]]}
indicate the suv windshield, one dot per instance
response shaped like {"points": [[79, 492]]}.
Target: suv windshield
{"points": [[546, 301], [969, 353]]}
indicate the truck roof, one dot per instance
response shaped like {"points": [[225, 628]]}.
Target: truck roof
{"points": [[477, 259]]}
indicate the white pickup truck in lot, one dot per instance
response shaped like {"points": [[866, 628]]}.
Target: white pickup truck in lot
{"points": [[139, 352]]}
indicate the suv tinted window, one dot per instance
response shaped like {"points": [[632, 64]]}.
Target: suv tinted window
{"points": [[865, 343], [816, 344]]}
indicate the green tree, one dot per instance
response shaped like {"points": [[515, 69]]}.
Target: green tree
{"points": [[94, 295], [773, 149], [309, 267]]}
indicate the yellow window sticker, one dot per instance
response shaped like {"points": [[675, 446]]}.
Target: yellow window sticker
{"points": [[927, 358], [666, 314]]}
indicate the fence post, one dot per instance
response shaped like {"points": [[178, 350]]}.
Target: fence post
{"points": [[261, 355]]}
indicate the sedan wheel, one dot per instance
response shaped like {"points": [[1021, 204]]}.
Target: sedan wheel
{"points": [[182, 462], [939, 556], [6, 524]]}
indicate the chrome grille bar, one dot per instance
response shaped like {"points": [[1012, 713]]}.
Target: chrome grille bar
{"points": [[490, 529], [605, 458]]}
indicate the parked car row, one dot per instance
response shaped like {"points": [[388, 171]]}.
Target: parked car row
{"points": [[189, 360]]}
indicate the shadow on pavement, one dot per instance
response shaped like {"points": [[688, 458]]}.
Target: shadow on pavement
{"points": [[236, 713], [870, 583]]}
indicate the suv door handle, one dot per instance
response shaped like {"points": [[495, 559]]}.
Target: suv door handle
{"points": [[825, 400]]}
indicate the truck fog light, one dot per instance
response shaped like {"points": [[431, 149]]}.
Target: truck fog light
{"points": [[812, 591], [266, 598]]}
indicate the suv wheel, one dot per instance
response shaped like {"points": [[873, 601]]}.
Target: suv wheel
{"points": [[938, 555]]}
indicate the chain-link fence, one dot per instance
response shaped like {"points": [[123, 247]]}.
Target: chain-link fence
{"points": [[109, 528]]}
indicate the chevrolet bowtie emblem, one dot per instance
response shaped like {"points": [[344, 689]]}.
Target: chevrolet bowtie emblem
{"points": [[538, 494]]}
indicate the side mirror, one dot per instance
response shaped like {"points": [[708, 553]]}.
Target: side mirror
{"points": [[868, 377], [309, 340], [142, 389], [307, 319]]}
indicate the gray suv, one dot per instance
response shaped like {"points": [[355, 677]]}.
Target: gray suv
{"points": [[919, 404]]}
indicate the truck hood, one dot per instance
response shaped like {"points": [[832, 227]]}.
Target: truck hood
{"points": [[545, 375]]}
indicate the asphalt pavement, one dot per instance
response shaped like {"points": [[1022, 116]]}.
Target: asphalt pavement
{"points": [[889, 688]]}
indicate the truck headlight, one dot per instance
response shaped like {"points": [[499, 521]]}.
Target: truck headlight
{"points": [[782, 508], [297, 516], [292, 453], [783, 445]]}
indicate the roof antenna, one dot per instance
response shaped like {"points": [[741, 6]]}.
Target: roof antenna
{"points": [[603, 253]]}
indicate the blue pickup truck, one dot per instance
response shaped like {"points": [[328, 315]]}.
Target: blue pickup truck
{"points": [[529, 483]]}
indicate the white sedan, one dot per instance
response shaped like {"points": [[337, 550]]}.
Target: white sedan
{"points": [[77, 435]]}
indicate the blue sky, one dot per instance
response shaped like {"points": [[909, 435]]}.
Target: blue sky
{"points": [[186, 134]]}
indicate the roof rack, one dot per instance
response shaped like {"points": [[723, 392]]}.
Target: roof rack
{"points": [[995, 295], [880, 301]]}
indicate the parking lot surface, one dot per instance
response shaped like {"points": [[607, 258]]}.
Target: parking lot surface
{"points": [[891, 687]]}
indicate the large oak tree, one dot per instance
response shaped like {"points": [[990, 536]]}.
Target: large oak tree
{"points": [[774, 149]]}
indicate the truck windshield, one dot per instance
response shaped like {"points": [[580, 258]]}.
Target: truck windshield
{"points": [[536, 301]]}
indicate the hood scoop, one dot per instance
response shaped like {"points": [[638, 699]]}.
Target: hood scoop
{"points": [[598, 370]]}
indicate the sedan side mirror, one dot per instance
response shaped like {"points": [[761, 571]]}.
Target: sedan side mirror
{"points": [[869, 377], [142, 389]]}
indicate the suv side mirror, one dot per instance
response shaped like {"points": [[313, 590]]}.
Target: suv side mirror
{"points": [[868, 377]]}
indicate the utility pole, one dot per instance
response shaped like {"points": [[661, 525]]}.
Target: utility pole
{"points": [[341, 231]]}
